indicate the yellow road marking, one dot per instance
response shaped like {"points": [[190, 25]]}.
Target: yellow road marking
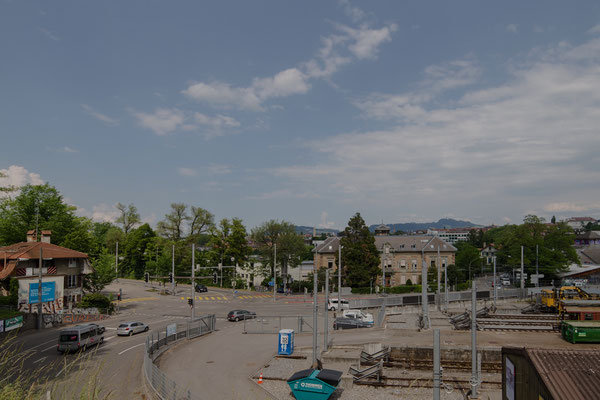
{"points": [[137, 299], [212, 298]]}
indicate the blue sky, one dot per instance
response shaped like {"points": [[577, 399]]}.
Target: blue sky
{"points": [[306, 111]]}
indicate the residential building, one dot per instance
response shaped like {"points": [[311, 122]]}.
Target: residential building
{"points": [[589, 238], [451, 235], [62, 273], [488, 252], [402, 256], [579, 223], [326, 252]]}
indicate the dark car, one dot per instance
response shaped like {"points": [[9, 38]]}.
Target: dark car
{"points": [[280, 290], [236, 315], [201, 288], [350, 323]]}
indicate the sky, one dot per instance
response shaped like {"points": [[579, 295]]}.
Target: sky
{"points": [[306, 111]]}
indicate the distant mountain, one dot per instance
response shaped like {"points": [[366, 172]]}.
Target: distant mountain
{"points": [[309, 229], [444, 223]]}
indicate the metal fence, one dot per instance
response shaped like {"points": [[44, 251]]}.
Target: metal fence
{"points": [[274, 323], [415, 299], [163, 387]]}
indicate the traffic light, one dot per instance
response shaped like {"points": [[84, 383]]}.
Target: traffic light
{"points": [[215, 277], [191, 302], [170, 277], [146, 277]]}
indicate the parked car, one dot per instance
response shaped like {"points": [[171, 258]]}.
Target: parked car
{"points": [[201, 288], [358, 314], [332, 304], [130, 328], [236, 315], [350, 323], [280, 290]]}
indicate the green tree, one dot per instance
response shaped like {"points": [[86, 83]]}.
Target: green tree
{"points": [[553, 220], [360, 258], [6, 189], [468, 259], [173, 226], [80, 237], [229, 246], [136, 244], [129, 217], [103, 273], [19, 215]]}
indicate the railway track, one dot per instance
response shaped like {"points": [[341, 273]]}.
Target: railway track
{"points": [[421, 382], [411, 364]]}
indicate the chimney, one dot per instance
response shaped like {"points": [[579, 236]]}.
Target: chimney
{"points": [[31, 236], [46, 236]]}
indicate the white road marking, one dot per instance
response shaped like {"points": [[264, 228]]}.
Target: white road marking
{"points": [[41, 359], [52, 347], [112, 328], [108, 338], [132, 347], [39, 345]]}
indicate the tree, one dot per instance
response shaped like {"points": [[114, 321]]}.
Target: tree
{"points": [[129, 217], [467, 258], [229, 245], [360, 258], [6, 189], [103, 274], [172, 227], [201, 221], [135, 246], [80, 237], [41, 203], [553, 220], [290, 245]]}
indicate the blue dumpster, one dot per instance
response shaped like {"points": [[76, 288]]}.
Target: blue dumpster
{"points": [[285, 345], [314, 384]]}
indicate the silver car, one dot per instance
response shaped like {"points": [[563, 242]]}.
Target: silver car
{"points": [[129, 328]]}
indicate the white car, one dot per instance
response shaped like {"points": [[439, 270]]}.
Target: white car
{"points": [[130, 328], [332, 304], [358, 314]]}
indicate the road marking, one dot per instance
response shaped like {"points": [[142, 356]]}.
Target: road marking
{"points": [[39, 345], [110, 337], [132, 347], [52, 347], [137, 299], [41, 359], [112, 328]]}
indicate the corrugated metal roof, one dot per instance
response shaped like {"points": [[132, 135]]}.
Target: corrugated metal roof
{"points": [[568, 374]]}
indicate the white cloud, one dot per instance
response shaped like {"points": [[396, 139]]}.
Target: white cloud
{"points": [[17, 176], [366, 41], [512, 28], [100, 213], [219, 169], [102, 117], [534, 136], [65, 149], [49, 34], [562, 207], [217, 122], [595, 29], [219, 93], [355, 13], [282, 194], [187, 171], [162, 122]]}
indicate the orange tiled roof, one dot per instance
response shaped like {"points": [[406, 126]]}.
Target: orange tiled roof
{"points": [[31, 250]]}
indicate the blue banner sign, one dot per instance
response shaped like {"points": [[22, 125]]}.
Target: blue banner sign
{"points": [[48, 289]]}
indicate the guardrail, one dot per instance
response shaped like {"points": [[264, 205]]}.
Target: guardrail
{"points": [[163, 387]]}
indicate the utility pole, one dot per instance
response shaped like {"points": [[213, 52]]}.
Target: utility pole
{"points": [[446, 284], [340, 274], [537, 272], [326, 323], [439, 278], [315, 288], [173, 269], [437, 370], [383, 259], [117, 262], [40, 318], [495, 284], [424, 298], [275, 272], [193, 283], [474, 374], [522, 273]]}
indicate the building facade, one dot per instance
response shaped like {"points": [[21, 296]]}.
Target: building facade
{"points": [[62, 273]]}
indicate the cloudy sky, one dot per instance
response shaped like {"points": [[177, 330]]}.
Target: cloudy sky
{"points": [[307, 111]]}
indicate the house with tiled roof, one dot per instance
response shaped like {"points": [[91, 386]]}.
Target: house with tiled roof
{"points": [[62, 273]]}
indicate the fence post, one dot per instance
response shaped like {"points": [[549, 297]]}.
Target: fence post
{"points": [[187, 330], [299, 324]]}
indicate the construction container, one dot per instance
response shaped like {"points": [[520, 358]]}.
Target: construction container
{"points": [[581, 331], [314, 384]]}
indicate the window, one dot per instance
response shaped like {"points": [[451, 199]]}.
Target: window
{"points": [[402, 263], [329, 263], [414, 265], [71, 280], [589, 317], [413, 246], [72, 263]]}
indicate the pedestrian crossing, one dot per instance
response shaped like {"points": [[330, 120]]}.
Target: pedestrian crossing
{"points": [[228, 298]]}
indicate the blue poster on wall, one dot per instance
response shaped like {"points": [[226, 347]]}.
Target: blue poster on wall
{"points": [[48, 289]]}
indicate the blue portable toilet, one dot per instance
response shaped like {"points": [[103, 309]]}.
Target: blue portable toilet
{"points": [[285, 344]]}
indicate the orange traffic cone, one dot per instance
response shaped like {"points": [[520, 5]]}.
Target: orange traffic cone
{"points": [[260, 379]]}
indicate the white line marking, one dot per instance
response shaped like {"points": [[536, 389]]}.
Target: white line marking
{"points": [[108, 338], [41, 359], [132, 347], [39, 345], [52, 347], [112, 328]]}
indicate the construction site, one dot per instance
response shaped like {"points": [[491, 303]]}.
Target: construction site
{"points": [[400, 358]]}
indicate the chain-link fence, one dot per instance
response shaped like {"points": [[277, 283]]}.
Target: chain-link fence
{"points": [[274, 323], [163, 387]]}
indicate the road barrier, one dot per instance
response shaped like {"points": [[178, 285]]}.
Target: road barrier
{"points": [[162, 386]]}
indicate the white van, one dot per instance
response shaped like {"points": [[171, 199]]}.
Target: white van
{"points": [[80, 337], [358, 314], [332, 304]]}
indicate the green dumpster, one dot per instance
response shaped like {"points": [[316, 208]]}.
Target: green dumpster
{"points": [[581, 331], [314, 384]]}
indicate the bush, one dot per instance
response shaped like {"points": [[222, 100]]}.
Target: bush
{"points": [[298, 286], [97, 300]]}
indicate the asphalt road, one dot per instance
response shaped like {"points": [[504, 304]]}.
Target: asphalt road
{"points": [[115, 367]]}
